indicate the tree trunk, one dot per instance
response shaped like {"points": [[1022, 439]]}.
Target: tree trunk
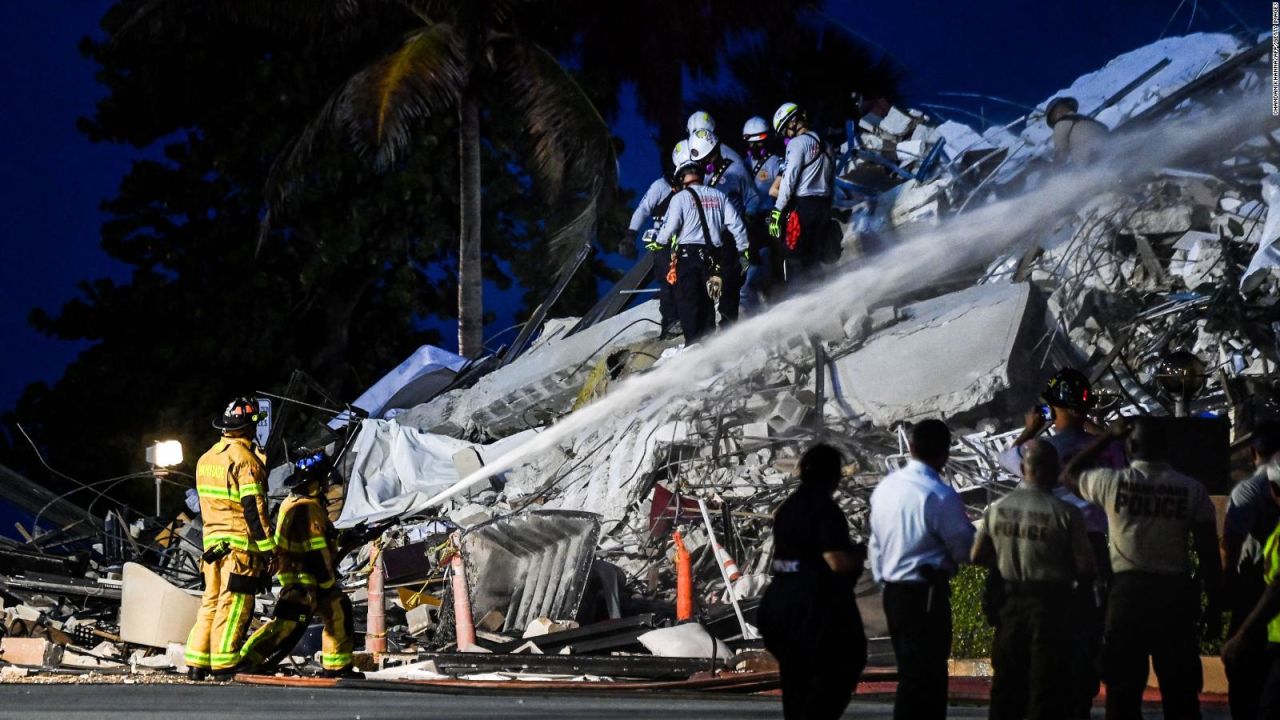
{"points": [[470, 279]]}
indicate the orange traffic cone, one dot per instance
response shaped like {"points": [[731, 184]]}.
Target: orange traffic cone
{"points": [[684, 580]]}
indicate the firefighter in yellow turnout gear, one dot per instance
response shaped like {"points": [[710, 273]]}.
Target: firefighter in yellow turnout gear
{"points": [[231, 482], [306, 550]]}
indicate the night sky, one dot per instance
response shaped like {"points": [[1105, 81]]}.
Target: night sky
{"points": [[52, 179]]}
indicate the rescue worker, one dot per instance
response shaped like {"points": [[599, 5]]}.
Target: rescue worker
{"points": [[763, 167], [1069, 397], [919, 536], [231, 481], [730, 178], [702, 120], [808, 616], [1251, 516], [696, 221], [307, 552], [1153, 610], [804, 193], [652, 208], [1262, 624], [1036, 543], [1077, 139]]}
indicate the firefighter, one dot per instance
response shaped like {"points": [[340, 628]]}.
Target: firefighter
{"points": [[763, 166], [652, 208], [306, 551], [729, 177], [696, 220], [804, 194], [231, 483]]}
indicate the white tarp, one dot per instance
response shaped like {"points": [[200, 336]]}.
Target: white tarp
{"points": [[1268, 255], [424, 360], [396, 469]]}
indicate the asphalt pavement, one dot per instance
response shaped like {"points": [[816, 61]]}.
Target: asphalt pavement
{"points": [[226, 702]]}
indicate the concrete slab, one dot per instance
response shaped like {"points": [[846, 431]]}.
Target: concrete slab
{"points": [[981, 348]]}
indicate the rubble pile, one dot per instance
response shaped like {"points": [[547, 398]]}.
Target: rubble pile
{"points": [[567, 561]]}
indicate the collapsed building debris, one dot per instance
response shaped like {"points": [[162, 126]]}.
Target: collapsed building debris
{"points": [[563, 565]]}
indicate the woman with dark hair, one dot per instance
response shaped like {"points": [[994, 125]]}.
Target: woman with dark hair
{"points": [[808, 616]]}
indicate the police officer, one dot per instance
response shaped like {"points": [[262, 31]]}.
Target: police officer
{"points": [[231, 482], [696, 220], [763, 167], [1259, 634], [730, 178], [1037, 544], [1153, 610], [1069, 397], [808, 616], [1251, 516], [306, 547], [804, 194], [919, 536], [652, 208]]}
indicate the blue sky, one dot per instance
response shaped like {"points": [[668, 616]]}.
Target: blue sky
{"points": [[52, 180]]}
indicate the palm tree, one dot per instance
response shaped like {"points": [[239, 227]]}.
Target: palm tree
{"points": [[453, 55]]}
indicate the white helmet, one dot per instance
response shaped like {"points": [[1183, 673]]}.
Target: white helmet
{"points": [[700, 120], [755, 130], [682, 157], [702, 143], [783, 115]]}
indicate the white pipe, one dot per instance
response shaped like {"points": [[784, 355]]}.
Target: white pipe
{"points": [[747, 633]]}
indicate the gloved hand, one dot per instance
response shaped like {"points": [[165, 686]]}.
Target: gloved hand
{"points": [[651, 241], [627, 245], [744, 261], [715, 286], [775, 223]]}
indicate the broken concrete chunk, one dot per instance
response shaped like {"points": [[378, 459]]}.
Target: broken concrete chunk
{"points": [[30, 652], [545, 626]]}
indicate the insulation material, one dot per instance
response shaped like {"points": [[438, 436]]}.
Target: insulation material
{"points": [[154, 612], [416, 380], [689, 640]]}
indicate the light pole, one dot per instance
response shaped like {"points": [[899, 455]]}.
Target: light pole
{"points": [[163, 454]]}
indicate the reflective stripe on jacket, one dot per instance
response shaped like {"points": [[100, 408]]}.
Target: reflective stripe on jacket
{"points": [[231, 482]]}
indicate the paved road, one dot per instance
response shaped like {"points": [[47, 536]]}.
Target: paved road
{"points": [[233, 702]]}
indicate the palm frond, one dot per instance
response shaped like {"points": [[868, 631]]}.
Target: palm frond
{"points": [[572, 150], [380, 105]]}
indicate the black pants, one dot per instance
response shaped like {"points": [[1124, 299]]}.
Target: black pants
{"points": [[693, 269], [919, 617], [1152, 616], [731, 275], [1032, 654], [666, 291], [805, 258], [813, 628], [1269, 701], [1248, 675]]}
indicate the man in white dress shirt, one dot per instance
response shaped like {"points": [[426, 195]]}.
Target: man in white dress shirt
{"points": [[919, 536]]}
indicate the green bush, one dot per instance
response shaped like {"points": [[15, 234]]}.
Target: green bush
{"points": [[971, 636]]}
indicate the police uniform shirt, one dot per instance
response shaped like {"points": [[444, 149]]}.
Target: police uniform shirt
{"points": [[1069, 442], [683, 223], [1036, 536], [1150, 509], [808, 524]]}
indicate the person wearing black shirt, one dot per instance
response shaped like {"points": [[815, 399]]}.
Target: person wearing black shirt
{"points": [[808, 616]]}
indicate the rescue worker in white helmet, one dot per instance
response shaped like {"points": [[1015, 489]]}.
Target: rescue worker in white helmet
{"points": [[231, 481], [729, 177], [702, 120], [763, 167], [803, 207], [698, 218], [652, 208], [307, 552]]}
